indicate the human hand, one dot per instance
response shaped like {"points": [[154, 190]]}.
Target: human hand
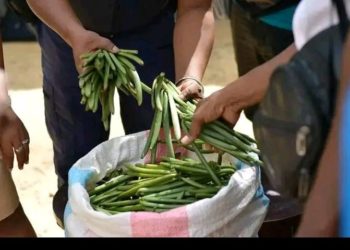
{"points": [[14, 139], [190, 89], [86, 41], [13, 135], [210, 109]]}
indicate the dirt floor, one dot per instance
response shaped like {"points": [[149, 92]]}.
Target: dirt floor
{"points": [[37, 183]]}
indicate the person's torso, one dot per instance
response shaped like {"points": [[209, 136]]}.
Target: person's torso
{"points": [[115, 16]]}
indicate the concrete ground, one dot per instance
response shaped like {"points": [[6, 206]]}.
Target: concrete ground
{"points": [[37, 182]]}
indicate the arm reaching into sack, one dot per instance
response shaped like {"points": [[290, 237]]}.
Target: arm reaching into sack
{"points": [[228, 102]]}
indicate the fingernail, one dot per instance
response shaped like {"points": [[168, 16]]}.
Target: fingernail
{"points": [[186, 140], [182, 96], [115, 49]]}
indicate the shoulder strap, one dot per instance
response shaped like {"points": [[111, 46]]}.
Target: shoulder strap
{"points": [[343, 17], [336, 49]]}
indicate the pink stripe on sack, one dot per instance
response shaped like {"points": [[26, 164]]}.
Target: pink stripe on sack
{"points": [[173, 223]]}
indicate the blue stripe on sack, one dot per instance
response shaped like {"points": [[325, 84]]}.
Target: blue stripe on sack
{"points": [[260, 194], [345, 170], [78, 175], [240, 165]]}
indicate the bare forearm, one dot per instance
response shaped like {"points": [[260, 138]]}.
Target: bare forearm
{"points": [[250, 89], [58, 15], [4, 97], [193, 38], [3, 88]]}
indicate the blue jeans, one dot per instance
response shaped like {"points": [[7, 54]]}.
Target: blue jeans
{"points": [[74, 132]]}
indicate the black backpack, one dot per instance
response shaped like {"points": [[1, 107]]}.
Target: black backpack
{"points": [[292, 122]]}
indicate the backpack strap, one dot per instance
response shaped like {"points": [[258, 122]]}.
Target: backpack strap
{"points": [[343, 17]]}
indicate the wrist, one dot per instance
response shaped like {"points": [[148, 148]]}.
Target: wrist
{"points": [[5, 106], [188, 78], [73, 34], [245, 92]]}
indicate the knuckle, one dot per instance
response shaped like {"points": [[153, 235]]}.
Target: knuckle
{"points": [[197, 118]]}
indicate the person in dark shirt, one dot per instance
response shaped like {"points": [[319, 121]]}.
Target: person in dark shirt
{"points": [[175, 37]]}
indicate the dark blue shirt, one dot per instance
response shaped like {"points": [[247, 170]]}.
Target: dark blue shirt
{"points": [[114, 16]]}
